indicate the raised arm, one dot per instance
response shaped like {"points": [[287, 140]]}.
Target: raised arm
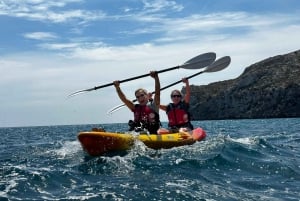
{"points": [[154, 74], [122, 96], [187, 96], [163, 107]]}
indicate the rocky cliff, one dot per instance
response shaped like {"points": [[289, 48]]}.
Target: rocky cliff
{"points": [[267, 89]]}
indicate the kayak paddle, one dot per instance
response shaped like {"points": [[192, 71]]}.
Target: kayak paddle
{"points": [[218, 65], [197, 62]]}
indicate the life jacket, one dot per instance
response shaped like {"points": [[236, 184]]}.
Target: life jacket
{"points": [[146, 116], [178, 115]]}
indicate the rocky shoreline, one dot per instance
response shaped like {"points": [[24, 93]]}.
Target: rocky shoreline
{"points": [[267, 89]]}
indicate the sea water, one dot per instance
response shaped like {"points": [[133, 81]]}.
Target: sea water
{"points": [[239, 160]]}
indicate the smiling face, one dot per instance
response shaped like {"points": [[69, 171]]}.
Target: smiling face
{"points": [[176, 96], [141, 96]]}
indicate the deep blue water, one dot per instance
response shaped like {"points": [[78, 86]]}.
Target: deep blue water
{"points": [[239, 160]]}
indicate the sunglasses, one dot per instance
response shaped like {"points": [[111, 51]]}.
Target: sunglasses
{"points": [[142, 95], [178, 96]]}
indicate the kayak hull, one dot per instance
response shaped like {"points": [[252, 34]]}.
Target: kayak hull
{"points": [[97, 143], [166, 141]]}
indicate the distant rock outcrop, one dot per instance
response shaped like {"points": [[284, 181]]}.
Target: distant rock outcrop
{"points": [[267, 89]]}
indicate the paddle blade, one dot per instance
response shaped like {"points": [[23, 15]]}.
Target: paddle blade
{"points": [[80, 91], [116, 108], [218, 65], [200, 61]]}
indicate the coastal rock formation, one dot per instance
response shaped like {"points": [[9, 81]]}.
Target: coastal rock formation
{"points": [[267, 89]]}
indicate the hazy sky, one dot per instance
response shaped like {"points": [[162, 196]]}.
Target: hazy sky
{"points": [[50, 49]]}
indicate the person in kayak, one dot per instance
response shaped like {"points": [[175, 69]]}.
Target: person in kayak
{"points": [[146, 112], [178, 111]]}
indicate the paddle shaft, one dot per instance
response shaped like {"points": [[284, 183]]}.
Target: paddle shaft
{"points": [[189, 77], [168, 86], [197, 62], [218, 65], [135, 78]]}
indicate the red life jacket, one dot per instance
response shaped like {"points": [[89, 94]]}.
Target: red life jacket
{"points": [[178, 115], [146, 116], [144, 113]]}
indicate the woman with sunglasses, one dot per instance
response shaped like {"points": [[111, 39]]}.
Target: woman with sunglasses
{"points": [[178, 111], [146, 112]]}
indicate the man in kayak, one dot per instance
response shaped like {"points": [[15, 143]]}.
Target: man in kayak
{"points": [[178, 111], [146, 113]]}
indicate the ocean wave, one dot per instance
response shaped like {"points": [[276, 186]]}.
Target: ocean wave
{"points": [[239, 160]]}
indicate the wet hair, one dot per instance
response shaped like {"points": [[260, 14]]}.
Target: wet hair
{"points": [[141, 90]]}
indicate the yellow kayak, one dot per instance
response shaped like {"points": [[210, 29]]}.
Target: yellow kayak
{"points": [[97, 143]]}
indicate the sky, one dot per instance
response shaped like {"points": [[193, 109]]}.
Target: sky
{"points": [[50, 49]]}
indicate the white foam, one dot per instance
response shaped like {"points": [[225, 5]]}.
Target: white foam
{"points": [[246, 140], [11, 185], [68, 148]]}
